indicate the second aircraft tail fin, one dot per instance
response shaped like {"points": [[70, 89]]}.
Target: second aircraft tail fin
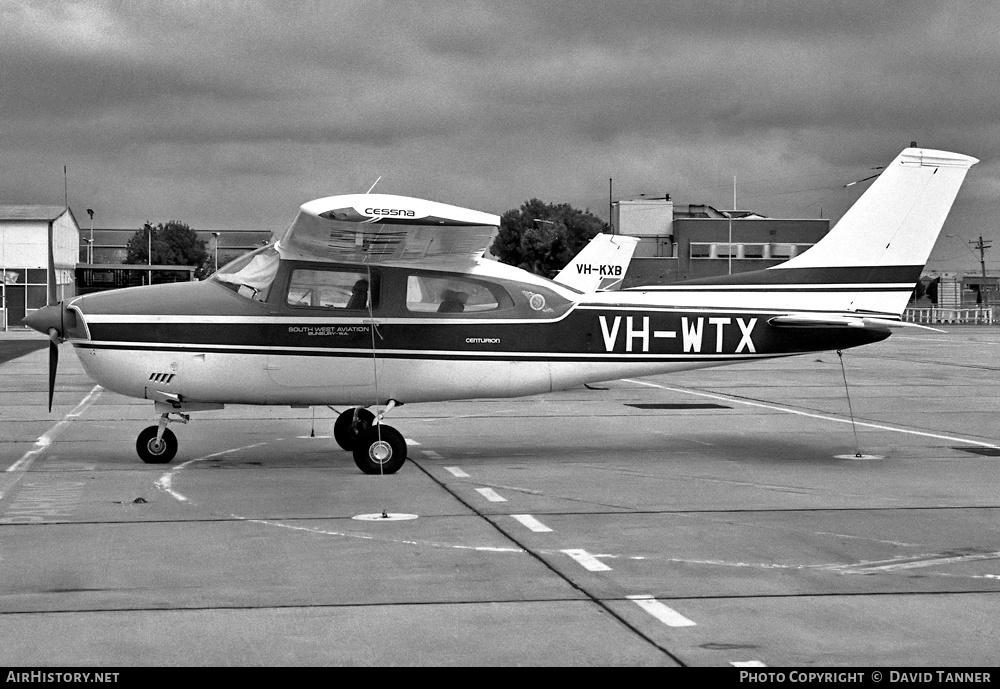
{"points": [[601, 265]]}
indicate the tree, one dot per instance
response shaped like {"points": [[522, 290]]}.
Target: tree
{"points": [[174, 244], [542, 237]]}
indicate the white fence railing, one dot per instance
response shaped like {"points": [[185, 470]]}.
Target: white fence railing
{"points": [[976, 315]]}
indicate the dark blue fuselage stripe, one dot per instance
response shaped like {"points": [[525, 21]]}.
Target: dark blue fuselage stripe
{"points": [[792, 277], [610, 357]]}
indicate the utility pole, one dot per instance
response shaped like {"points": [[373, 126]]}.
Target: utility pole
{"points": [[983, 246], [611, 204], [149, 253]]}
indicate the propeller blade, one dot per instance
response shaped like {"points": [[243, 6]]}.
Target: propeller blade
{"points": [[53, 365]]}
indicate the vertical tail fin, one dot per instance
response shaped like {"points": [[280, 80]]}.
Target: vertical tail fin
{"points": [[601, 265], [897, 221], [886, 237]]}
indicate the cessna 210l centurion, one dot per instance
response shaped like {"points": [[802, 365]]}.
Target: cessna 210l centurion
{"points": [[373, 300]]}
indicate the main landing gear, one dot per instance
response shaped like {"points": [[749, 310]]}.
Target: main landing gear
{"points": [[377, 448]]}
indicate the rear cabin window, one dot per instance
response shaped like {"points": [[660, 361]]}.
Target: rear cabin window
{"points": [[452, 295], [331, 289]]}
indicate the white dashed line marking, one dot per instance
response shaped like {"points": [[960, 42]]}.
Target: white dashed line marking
{"points": [[664, 614], [431, 454], [588, 561], [747, 663], [456, 472], [491, 495], [531, 523]]}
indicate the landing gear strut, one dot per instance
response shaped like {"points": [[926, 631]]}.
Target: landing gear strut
{"points": [[158, 444]]}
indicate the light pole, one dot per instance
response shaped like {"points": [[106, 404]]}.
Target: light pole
{"points": [[216, 235], [90, 248], [149, 253]]}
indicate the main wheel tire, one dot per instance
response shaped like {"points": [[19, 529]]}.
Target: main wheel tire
{"points": [[346, 433], [153, 452], [381, 450]]}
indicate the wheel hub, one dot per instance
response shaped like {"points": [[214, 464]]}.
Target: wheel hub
{"points": [[380, 452]]}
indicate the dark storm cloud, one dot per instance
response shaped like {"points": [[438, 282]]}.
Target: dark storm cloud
{"points": [[485, 103]]}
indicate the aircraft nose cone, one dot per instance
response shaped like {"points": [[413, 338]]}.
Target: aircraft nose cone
{"points": [[45, 319]]}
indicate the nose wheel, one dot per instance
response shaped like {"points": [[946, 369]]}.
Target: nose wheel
{"points": [[158, 444], [153, 450]]}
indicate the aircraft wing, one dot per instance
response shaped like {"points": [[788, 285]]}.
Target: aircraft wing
{"points": [[809, 320], [382, 228]]}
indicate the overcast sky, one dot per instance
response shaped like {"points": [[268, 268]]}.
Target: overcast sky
{"points": [[229, 115]]}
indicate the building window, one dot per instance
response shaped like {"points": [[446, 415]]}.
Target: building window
{"points": [[751, 251], [701, 250]]}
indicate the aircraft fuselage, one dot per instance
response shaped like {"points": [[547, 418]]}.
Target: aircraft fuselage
{"points": [[206, 344]]}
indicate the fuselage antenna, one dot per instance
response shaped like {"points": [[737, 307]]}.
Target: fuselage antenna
{"points": [[373, 186]]}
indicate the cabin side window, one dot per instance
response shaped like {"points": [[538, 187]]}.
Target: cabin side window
{"points": [[251, 276], [331, 289], [426, 294]]}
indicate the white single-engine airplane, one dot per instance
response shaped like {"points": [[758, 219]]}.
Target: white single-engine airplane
{"points": [[371, 300]]}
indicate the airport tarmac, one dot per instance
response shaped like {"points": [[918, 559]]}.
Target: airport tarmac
{"points": [[722, 517]]}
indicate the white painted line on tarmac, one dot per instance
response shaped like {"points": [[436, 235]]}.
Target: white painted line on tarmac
{"points": [[165, 482], [913, 562], [456, 472], [431, 454], [369, 537], [491, 495], [588, 561], [663, 613], [43, 442], [531, 523], [747, 663], [411, 442], [774, 407]]}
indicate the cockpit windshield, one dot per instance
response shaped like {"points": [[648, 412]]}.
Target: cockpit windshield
{"points": [[250, 275]]}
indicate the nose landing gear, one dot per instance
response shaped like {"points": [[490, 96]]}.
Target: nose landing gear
{"points": [[158, 444]]}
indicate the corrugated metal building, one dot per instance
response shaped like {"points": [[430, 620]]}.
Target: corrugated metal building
{"points": [[24, 258]]}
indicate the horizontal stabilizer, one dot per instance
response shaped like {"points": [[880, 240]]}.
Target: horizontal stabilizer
{"points": [[601, 265], [809, 320]]}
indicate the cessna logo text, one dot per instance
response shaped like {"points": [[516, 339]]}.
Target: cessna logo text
{"points": [[697, 334], [390, 211]]}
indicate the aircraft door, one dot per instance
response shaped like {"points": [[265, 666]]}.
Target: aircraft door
{"points": [[326, 353]]}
